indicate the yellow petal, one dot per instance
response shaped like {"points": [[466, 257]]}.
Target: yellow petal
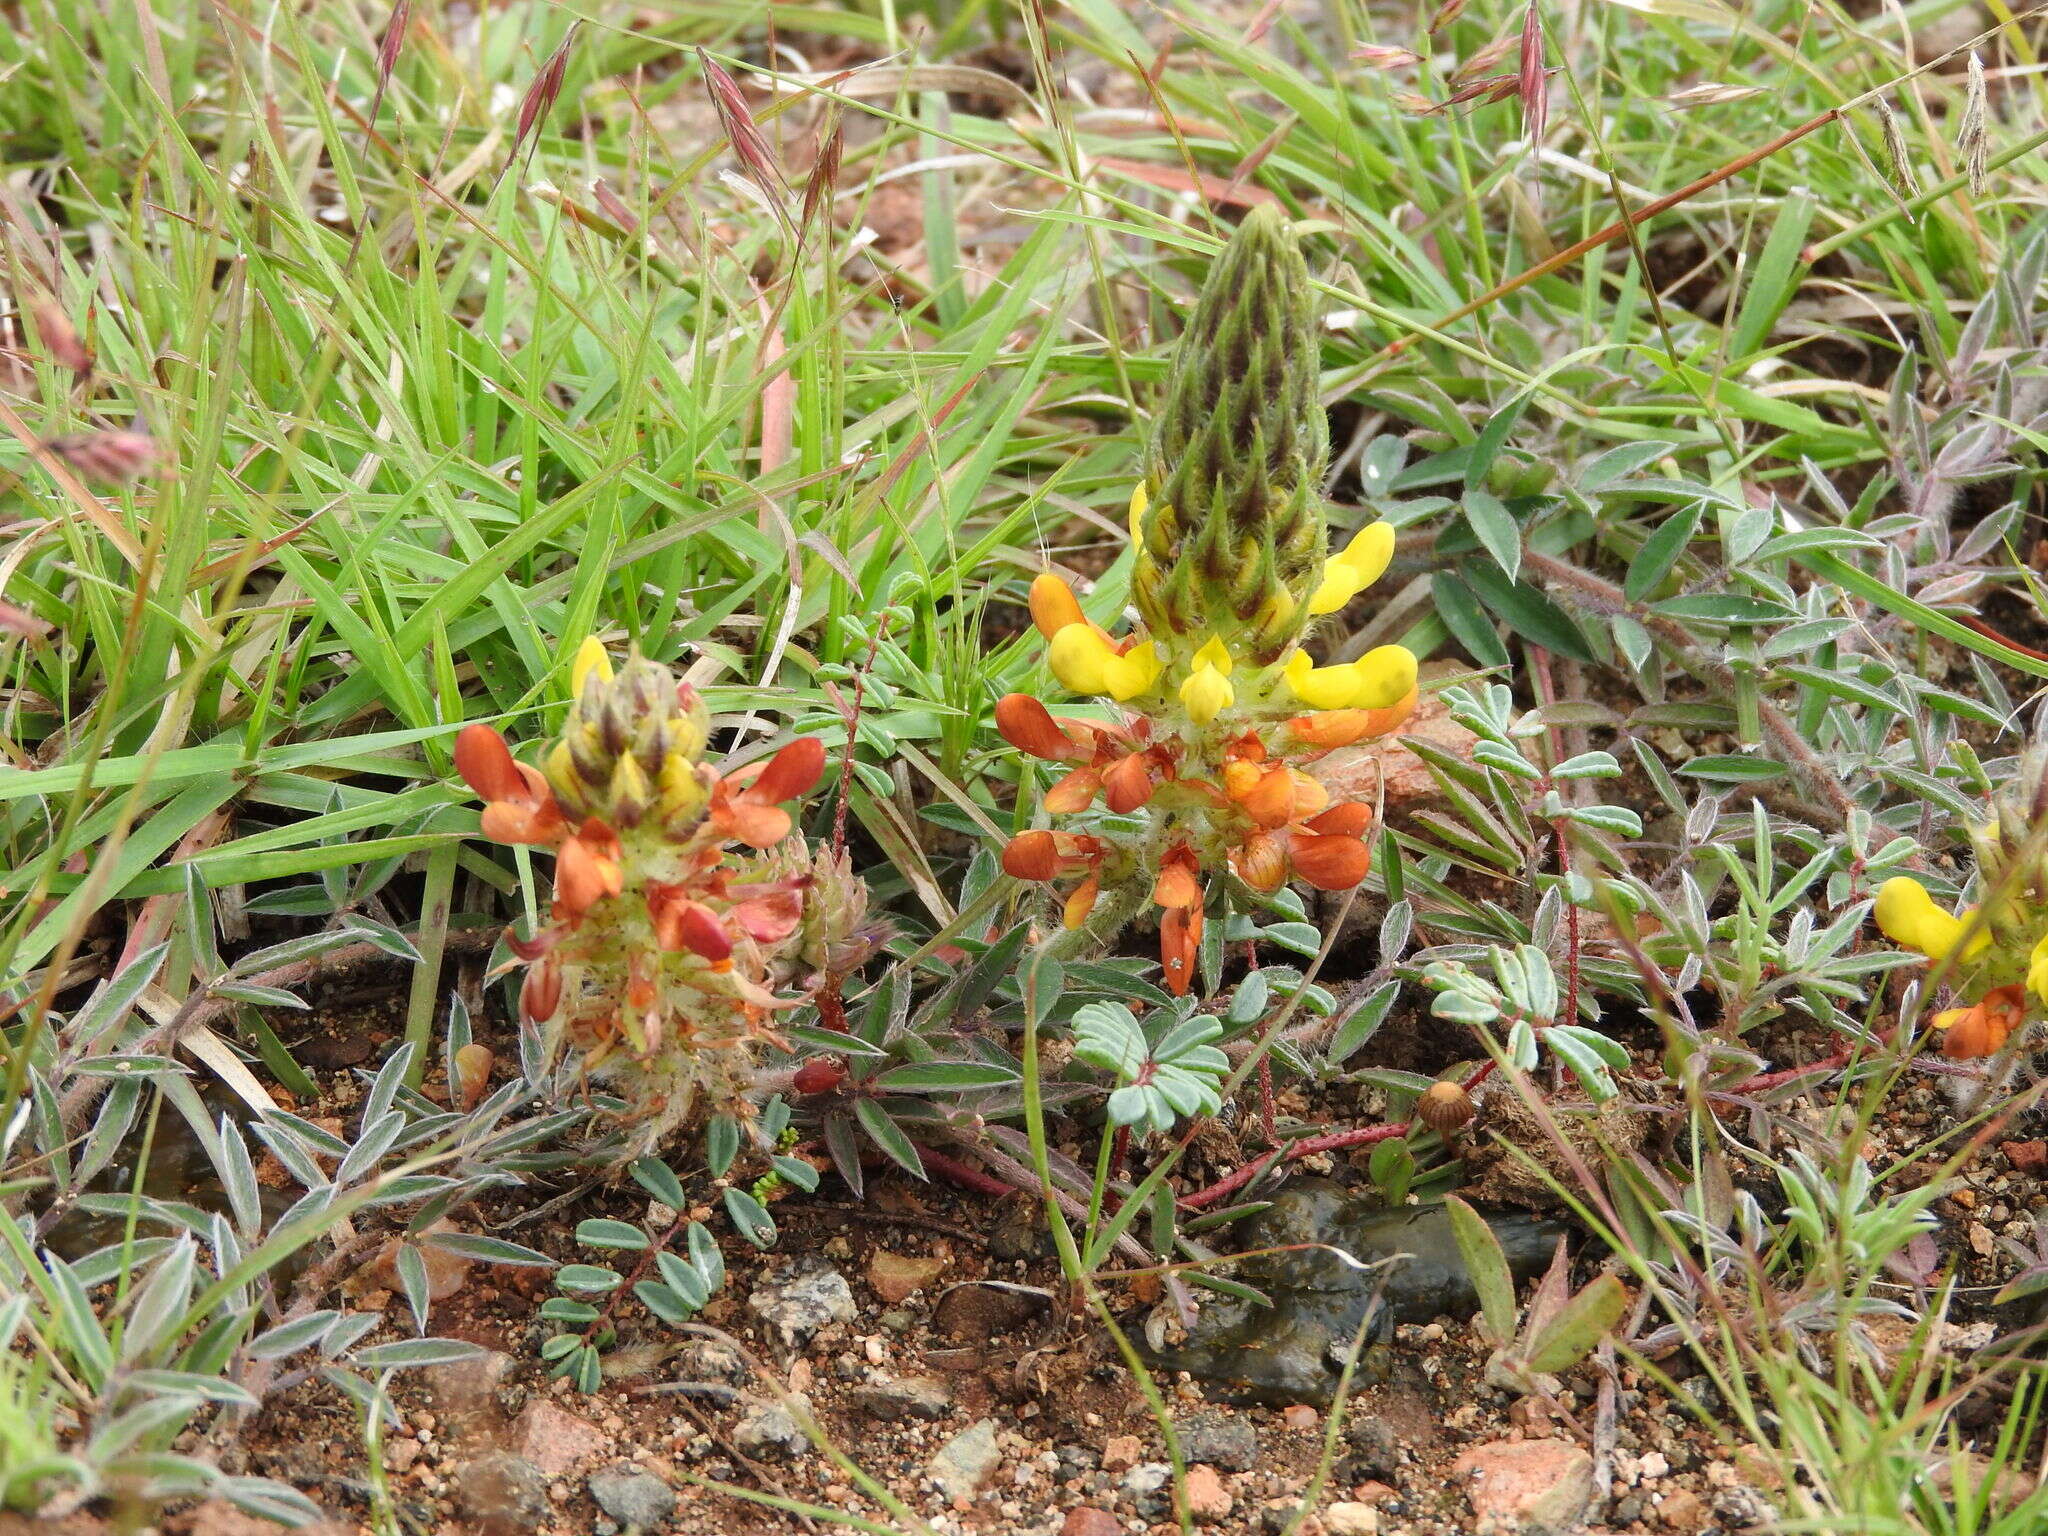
{"points": [[1907, 915], [1080, 659], [2037, 969], [1207, 693], [1322, 687], [1385, 675], [1339, 585], [1214, 654], [1369, 553], [590, 657], [1127, 676], [1138, 502]]}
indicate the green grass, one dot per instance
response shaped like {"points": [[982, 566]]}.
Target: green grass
{"points": [[436, 401]]}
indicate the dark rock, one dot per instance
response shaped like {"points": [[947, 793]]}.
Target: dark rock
{"points": [[501, 1494], [1373, 1450], [1020, 1234], [637, 1499], [979, 1311], [890, 1399], [1149, 1488], [1224, 1442], [1293, 1351]]}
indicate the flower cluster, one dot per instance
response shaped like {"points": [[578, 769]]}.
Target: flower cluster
{"points": [[1994, 952], [670, 950], [1203, 764]]}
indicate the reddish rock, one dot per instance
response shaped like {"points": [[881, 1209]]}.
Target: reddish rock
{"points": [[470, 1385], [1087, 1520], [1208, 1500], [2026, 1156], [1535, 1487], [555, 1440], [445, 1271], [1360, 773], [1683, 1510], [1300, 1416], [896, 1278], [1120, 1453]]}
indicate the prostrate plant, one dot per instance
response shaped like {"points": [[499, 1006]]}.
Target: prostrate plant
{"points": [[1994, 952], [670, 951], [1204, 769]]}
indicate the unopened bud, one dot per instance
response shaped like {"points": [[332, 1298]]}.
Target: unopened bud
{"points": [[1445, 1107]]}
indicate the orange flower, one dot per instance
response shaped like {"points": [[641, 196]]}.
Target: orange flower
{"points": [[754, 815], [1261, 862], [1029, 726], [1074, 912], [1032, 855], [518, 805], [1180, 941], [1180, 879], [1128, 784], [1983, 1028], [1329, 863], [587, 869], [1075, 790]]}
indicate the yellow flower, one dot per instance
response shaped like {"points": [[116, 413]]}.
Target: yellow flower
{"points": [[1215, 654], [1363, 561], [1087, 663], [1907, 915], [1206, 693], [590, 657], [2037, 969], [1379, 679]]}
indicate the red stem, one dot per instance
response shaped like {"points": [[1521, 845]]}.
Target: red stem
{"points": [[1333, 1141], [964, 1174]]}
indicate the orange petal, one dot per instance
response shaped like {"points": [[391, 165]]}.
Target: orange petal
{"points": [[1380, 722], [583, 878], [504, 821], [1333, 727], [1330, 863], [1347, 818], [1053, 604], [486, 765], [1260, 863], [756, 825], [1271, 801], [1178, 884], [1241, 779], [1032, 856], [1081, 903], [1180, 941], [791, 772], [1128, 784], [1982, 1030], [1028, 725], [1075, 791], [1310, 798]]}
